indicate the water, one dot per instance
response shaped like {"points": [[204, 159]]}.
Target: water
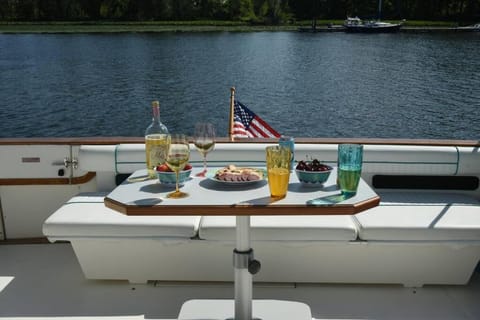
{"points": [[304, 85]]}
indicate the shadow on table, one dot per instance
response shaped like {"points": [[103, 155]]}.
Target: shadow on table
{"points": [[160, 187], [301, 188], [147, 202], [218, 186], [321, 201]]}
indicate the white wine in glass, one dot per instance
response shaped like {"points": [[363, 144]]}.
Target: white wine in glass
{"points": [[204, 142], [177, 158]]}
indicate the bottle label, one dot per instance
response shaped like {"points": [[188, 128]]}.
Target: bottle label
{"points": [[158, 155], [156, 147]]}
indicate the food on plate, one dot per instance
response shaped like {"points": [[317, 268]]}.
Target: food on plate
{"points": [[237, 174], [313, 165]]}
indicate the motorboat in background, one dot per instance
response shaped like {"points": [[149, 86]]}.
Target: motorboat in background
{"points": [[371, 26], [475, 27]]}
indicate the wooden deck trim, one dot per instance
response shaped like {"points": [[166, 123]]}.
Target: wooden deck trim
{"points": [[76, 141], [47, 181]]}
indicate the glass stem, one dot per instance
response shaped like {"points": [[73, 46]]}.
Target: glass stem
{"points": [[205, 163], [176, 185]]}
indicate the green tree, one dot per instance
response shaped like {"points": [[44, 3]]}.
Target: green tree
{"points": [[211, 9], [114, 9], [265, 11], [280, 11], [91, 9], [182, 9], [241, 10]]}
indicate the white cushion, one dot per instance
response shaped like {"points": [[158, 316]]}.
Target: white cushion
{"points": [[130, 157], [97, 158], [86, 216], [279, 228], [121, 158], [382, 159], [421, 216]]}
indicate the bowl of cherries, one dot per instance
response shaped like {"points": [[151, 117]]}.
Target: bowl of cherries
{"points": [[312, 173]]}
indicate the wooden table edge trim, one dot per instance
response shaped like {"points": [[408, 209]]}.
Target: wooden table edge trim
{"points": [[241, 209], [115, 205]]}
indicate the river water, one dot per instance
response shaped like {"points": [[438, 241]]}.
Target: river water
{"points": [[309, 85]]}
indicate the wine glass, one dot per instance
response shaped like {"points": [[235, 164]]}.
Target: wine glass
{"points": [[177, 157], [204, 142]]}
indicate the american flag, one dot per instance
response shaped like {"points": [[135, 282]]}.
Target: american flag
{"points": [[247, 124]]}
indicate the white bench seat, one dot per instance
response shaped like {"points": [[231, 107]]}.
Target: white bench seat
{"points": [[86, 216], [282, 228], [421, 216], [409, 239], [110, 245]]}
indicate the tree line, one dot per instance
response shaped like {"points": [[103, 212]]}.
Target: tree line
{"points": [[250, 11]]}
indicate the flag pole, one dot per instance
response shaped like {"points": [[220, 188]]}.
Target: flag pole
{"points": [[232, 102]]}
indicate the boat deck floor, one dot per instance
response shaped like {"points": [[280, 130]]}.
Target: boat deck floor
{"points": [[44, 281]]}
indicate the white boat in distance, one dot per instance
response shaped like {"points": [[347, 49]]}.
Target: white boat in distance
{"points": [[371, 26], [475, 27]]}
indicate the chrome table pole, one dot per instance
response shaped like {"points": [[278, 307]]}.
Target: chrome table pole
{"points": [[245, 266]]}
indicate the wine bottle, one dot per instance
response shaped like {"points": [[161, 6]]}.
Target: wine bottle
{"points": [[157, 141]]}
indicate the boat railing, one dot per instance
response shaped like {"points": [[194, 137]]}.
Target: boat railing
{"points": [[77, 141]]}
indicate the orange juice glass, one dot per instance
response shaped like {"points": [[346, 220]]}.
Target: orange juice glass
{"points": [[278, 169]]}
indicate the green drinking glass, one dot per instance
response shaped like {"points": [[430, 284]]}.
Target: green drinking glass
{"points": [[350, 159]]}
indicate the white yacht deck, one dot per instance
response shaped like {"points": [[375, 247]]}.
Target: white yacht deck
{"points": [[44, 281]]}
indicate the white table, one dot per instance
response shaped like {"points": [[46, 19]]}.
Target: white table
{"points": [[138, 196]]}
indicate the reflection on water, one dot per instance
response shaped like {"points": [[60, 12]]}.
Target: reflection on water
{"points": [[313, 85]]}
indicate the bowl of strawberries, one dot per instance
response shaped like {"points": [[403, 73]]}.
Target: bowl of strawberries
{"points": [[167, 176]]}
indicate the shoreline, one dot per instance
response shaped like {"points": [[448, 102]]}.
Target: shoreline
{"points": [[134, 27], [187, 26]]}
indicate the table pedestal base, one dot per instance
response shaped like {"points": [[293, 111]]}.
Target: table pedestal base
{"points": [[262, 309]]}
